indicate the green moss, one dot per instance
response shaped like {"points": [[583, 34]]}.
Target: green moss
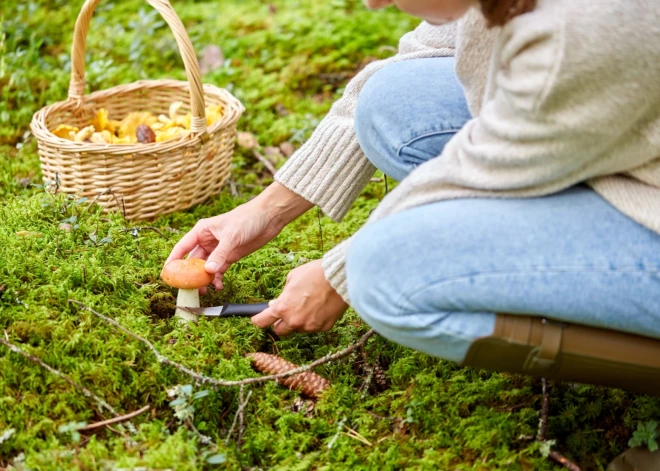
{"points": [[287, 61]]}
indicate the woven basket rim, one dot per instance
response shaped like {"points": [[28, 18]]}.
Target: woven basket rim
{"points": [[41, 132]]}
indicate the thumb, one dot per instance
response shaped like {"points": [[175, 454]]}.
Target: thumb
{"points": [[266, 317], [216, 263]]}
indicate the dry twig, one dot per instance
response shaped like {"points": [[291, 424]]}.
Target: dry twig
{"points": [[543, 427], [203, 439], [562, 460], [353, 434], [86, 392], [221, 382], [391, 419], [108, 190], [239, 417], [340, 428], [121, 418], [267, 163], [366, 384], [118, 432], [233, 191]]}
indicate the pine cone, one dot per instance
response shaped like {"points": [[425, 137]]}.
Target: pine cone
{"points": [[310, 383], [380, 377]]}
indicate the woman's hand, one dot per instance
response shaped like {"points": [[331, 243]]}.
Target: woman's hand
{"points": [[225, 239], [308, 303]]}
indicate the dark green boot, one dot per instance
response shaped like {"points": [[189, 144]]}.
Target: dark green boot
{"points": [[636, 459]]}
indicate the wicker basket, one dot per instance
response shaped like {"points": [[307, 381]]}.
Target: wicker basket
{"points": [[142, 180]]}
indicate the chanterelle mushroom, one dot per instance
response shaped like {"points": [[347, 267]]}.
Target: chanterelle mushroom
{"points": [[188, 276]]}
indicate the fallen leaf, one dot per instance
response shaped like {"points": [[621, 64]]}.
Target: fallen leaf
{"points": [[246, 140], [287, 148], [272, 151], [212, 58], [306, 406], [25, 182], [65, 226]]}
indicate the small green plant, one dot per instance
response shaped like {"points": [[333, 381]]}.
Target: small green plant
{"points": [[183, 402], [71, 429], [645, 435]]}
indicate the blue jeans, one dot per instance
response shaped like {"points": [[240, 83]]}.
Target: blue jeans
{"points": [[433, 277]]}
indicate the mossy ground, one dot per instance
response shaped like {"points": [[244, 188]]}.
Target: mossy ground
{"points": [[287, 60]]}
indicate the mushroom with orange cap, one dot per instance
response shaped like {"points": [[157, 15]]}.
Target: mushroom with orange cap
{"points": [[188, 275]]}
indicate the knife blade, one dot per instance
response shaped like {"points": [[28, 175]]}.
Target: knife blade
{"points": [[227, 310]]}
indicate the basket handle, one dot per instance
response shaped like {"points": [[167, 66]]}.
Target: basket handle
{"points": [[77, 84]]}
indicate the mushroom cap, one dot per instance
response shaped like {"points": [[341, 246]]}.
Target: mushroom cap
{"points": [[186, 274]]}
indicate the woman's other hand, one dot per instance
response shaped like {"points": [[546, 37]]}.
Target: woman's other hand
{"points": [[308, 303], [225, 239]]}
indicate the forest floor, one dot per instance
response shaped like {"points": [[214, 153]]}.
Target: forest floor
{"points": [[287, 61]]}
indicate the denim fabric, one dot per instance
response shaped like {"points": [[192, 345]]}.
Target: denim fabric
{"points": [[407, 112], [432, 277]]}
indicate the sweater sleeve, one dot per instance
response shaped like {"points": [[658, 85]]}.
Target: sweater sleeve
{"points": [[330, 169], [555, 115]]}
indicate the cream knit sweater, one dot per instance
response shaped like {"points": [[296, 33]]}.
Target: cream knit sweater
{"points": [[565, 94]]}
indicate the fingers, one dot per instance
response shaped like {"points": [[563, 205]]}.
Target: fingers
{"points": [[265, 318], [271, 316], [198, 252], [217, 260], [187, 243], [217, 281], [281, 328]]}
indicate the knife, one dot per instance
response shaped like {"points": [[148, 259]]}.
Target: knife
{"points": [[227, 310]]}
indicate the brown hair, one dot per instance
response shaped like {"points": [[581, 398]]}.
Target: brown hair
{"points": [[500, 12]]}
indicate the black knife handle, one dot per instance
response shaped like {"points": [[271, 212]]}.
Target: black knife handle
{"points": [[242, 310]]}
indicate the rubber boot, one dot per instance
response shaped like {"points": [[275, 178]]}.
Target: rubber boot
{"points": [[636, 459]]}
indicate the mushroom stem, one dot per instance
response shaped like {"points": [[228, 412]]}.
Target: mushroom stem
{"points": [[187, 298]]}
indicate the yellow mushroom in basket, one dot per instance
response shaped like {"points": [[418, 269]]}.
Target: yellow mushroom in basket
{"points": [[102, 123], [103, 137], [123, 140], [64, 131], [213, 114], [132, 120], [170, 133], [84, 134], [174, 109]]}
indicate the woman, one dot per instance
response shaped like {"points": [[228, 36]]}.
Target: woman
{"points": [[527, 139]]}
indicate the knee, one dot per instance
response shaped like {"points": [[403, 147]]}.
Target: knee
{"points": [[374, 117], [376, 100]]}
